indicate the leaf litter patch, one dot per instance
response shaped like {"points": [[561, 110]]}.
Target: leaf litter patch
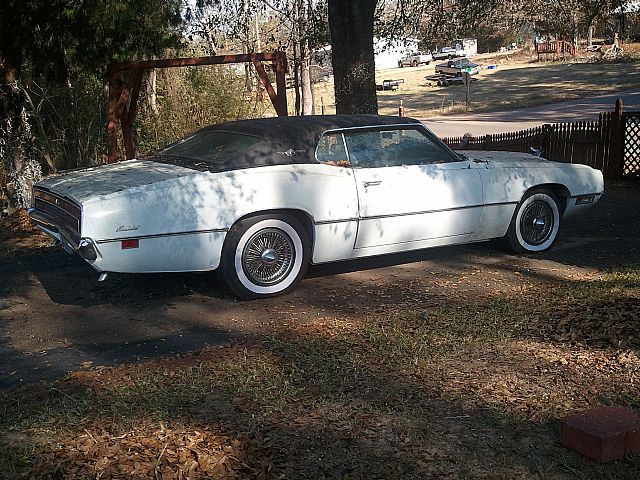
{"points": [[467, 391]]}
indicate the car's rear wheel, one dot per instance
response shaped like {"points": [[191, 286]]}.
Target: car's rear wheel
{"points": [[264, 256], [535, 223]]}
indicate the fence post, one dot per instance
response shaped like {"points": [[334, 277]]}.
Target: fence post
{"points": [[616, 149], [545, 141]]}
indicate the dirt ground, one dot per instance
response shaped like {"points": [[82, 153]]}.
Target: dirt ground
{"points": [[55, 317]]}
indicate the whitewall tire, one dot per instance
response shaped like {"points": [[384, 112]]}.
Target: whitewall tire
{"points": [[536, 222], [264, 256]]}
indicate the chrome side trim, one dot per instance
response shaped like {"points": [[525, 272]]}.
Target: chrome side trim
{"points": [[391, 215], [415, 241], [329, 222], [160, 235], [586, 195], [499, 204]]}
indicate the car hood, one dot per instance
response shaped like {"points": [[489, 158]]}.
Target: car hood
{"points": [[82, 185], [505, 159]]}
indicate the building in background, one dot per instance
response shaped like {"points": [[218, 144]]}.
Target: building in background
{"points": [[387, 53]]}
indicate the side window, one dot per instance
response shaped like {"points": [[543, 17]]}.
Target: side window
{"points": [[366, 148], [396, 147], [331, 150]]}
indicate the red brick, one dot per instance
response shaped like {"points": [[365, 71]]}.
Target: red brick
{"points": [[602, 434]]}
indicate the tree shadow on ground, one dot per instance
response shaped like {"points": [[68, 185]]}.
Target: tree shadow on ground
{"points": [[322, 407]]}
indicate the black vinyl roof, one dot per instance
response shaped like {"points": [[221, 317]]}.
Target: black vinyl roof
{"points": [[284, 140], [307, 123]]}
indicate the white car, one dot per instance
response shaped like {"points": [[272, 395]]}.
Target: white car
{"points": [[449, 52], [259, 200], [415, 59]]}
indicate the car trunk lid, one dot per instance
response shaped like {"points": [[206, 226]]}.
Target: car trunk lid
{"points": [[107, 179]]}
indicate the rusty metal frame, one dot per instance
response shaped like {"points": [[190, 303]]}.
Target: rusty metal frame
{"points": [[125, 80]]}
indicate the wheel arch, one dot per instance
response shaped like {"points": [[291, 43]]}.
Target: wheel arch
{"points": [[305, 219], [561, 192]]}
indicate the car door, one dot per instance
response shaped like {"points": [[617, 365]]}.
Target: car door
{"points": [[411, 188]]}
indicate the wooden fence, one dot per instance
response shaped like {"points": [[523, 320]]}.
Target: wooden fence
{"points": [[580, 142], [603, 144], [556, 47]]}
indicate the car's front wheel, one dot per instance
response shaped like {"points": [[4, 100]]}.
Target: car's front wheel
{"points": [[264, 256], [535, 223]]}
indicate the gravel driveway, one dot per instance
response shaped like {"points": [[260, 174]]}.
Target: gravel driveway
{"points": [[55, 317]]}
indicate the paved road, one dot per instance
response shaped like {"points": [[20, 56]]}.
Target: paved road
{"points": [[512, 120]]}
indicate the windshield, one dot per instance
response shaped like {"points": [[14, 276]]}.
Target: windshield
{"points": [[211, 147]]}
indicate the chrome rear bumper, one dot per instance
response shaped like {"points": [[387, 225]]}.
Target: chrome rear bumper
{"points": [[70, 240]]}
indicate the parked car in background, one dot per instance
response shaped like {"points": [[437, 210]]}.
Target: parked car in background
{"points": [[457, 66], [415, 59], [259, 200], [449, 52]]}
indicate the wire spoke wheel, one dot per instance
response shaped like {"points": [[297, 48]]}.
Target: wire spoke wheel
{"points": [[264, 255], [268, 256], [536, 223]]}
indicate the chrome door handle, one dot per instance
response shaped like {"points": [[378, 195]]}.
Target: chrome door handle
{"points": [[371, 184]]}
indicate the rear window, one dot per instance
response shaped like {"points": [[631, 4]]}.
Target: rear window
{"points": [[211, 147]]}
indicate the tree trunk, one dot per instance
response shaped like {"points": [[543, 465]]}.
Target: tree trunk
{"points": [[151, 91], [15, 135], [296, 77], [351, 27], [304, 10], [74, 152], [305, 78], [623, 20], [16, 144], [46, 152]]}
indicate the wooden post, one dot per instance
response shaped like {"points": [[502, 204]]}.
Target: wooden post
{"points": [[125, 80], [130, 141], [264, 79], [616, 149], [115, 90], [545, 141]]}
